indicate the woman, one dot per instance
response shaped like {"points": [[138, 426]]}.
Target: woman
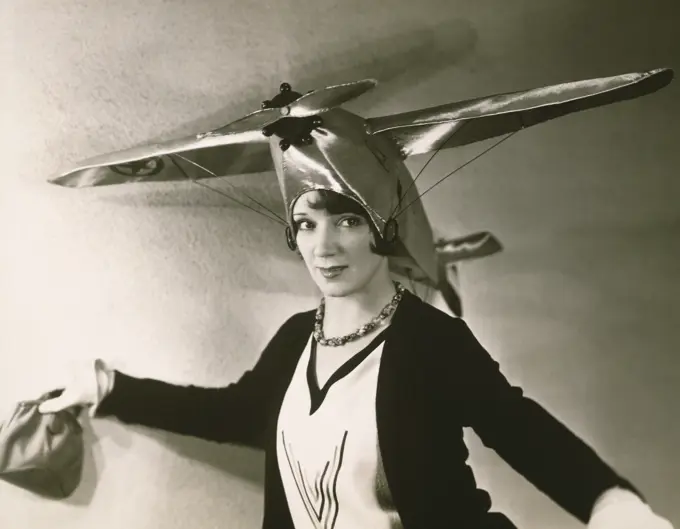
{"points": [[365, 429]]}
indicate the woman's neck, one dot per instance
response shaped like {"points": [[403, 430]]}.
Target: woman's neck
{"points": [[346, 314]]}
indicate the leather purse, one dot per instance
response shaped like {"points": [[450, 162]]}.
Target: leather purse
{"points": [[42, 453]]}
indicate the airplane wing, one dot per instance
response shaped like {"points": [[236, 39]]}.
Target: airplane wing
{"points": [[472, 246], [322, 100], [236, 148], [474, 120], [452, 251], [447, 289], [183, 159], [449, 253]]}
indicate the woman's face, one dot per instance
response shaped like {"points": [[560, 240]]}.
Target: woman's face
{"points": [[336, 248]]}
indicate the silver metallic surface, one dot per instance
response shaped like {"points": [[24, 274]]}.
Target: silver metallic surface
{"points": [[361, 158]]}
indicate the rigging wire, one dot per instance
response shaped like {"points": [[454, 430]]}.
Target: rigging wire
{"points": [[276, 218], [413, 182], [455, 171]]}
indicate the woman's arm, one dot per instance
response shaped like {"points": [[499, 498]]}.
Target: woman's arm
{"points": [[524, 434], [235, 413]]}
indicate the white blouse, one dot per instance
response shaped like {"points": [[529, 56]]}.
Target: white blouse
{"points": [[327, 446]]}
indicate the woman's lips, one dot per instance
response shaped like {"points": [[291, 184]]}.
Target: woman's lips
{"points": [[331, 271]]}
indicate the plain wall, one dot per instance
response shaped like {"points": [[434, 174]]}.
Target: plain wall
{"points": [[177, 282]]}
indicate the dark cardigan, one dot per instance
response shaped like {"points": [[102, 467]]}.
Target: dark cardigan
{"points": [[435, 379]]}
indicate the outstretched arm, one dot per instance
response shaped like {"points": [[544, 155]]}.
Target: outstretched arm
{"points": [[539, 446], [235, 413]]}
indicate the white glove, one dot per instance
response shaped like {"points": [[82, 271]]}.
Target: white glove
{"points": [[87, 387], [622, 509]]}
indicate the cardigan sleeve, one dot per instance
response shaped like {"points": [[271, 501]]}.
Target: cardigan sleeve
{"points": [[235, 413], [531, 440]]}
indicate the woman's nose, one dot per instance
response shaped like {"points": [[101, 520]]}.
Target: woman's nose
{"points": [[326, 242]]}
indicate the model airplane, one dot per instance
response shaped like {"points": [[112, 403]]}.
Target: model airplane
{"points": [[299, 134]]}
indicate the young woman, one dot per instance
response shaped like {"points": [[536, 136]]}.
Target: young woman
{"points": [[360, 404]]}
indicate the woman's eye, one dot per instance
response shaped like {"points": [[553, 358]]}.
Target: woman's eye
{"points": [[303, 225], [351, 221]]}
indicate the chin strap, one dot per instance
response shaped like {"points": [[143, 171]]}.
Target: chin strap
{"points": [[290, 239]]}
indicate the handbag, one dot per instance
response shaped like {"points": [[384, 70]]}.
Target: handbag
{"points": [[42, 453]]}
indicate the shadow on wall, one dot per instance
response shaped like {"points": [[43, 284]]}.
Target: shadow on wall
{"points": [[400, 61], [226, 236], [258, 191], [244, 463]]}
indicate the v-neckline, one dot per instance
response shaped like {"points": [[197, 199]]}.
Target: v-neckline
{"points": [[317, 394]]}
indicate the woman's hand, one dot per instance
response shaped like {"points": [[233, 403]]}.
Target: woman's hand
{"points": [[86, 387], [628, 518], [621, 509]]}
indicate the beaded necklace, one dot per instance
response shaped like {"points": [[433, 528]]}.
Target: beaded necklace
{"points": [[361, 331]]}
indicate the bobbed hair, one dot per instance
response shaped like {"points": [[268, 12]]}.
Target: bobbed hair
{"points": [[337, 204]]}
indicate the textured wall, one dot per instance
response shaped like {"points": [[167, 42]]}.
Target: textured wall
{"points": [[176, 282]]}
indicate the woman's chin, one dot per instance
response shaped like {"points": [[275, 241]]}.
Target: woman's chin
{"points": [[335, 290], [336, 287]]}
